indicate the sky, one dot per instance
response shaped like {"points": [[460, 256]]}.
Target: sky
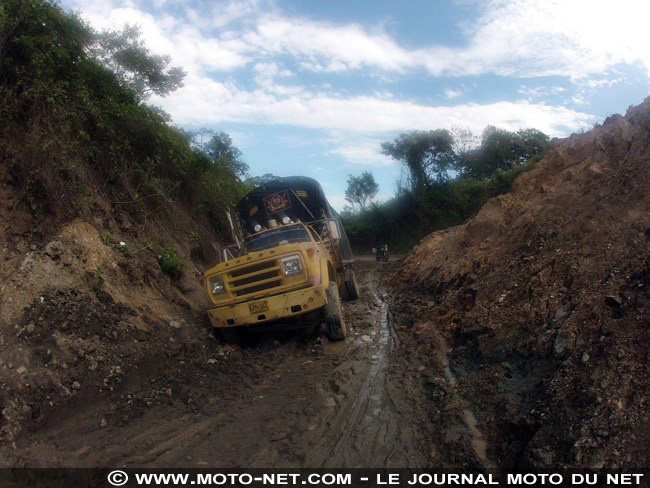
{"points": [[313, 87]]}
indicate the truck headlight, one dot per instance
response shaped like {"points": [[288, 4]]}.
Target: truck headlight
{"points": [[216, 285], [291, 265]]}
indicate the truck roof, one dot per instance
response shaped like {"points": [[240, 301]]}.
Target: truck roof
{"points": [[297, 197]]}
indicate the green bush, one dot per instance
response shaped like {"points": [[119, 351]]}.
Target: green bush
{"points": [[170, 263], [71, 123], [402, 221]]}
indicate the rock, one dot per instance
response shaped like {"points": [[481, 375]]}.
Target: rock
{"points": [[561, 313], [76, 385], [54, 249], [168, 392], [564, 342], [212, 361], [103, 423], [28, 263], [544, 456], [30, 328], [613, 301], [21, 370], [175, 324]]}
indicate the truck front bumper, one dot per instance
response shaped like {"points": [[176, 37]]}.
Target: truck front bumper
{"points": [[284, 305]]}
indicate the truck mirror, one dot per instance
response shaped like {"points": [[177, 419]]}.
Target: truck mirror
{"points": [[333, 228], [224, 254]]}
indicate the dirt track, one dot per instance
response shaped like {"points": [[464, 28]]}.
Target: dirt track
{"points": [[283, 400]]}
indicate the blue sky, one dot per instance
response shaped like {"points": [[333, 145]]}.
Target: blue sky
{"points": [[313, 87]]}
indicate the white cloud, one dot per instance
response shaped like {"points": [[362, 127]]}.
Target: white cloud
{"points": [[531, 92], [337, 201], [449, 93], [355, 125], [177, 37], [542, 38], [595, 84], [204, 100], [266, 73], [523, 38], [365, 151], [326, 47], [587, 88]]}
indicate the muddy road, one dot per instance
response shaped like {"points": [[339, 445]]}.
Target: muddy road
{"points": [[281, 401]]}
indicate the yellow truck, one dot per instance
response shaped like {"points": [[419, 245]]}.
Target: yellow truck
{"points": [[290, 266]]}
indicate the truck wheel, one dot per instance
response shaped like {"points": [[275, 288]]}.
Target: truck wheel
{"points": [[349, 289], [333, 316], [352, 286], [232, 335]]}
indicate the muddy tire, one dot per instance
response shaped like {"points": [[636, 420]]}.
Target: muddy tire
{"points": [[350, 288], [231, 335], [333, 315]]}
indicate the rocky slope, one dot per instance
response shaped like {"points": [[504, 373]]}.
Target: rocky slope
{"points": [[86, 312], [543, 300]]}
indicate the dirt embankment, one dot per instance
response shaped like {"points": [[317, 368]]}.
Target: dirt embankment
{"points": [[86, 312], [535, 313]]}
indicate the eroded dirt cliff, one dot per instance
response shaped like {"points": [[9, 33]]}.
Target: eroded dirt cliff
{"points": [[536, 312]]}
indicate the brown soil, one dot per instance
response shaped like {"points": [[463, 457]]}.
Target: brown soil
{"points": [[535, 313]]}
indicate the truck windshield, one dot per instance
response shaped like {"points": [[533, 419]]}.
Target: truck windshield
{"points": [[276, 237]]}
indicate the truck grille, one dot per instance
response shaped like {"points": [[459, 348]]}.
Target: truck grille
{"points": [[255, 278]]}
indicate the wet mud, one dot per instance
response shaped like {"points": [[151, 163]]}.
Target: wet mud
{"points": [[282, 400]]}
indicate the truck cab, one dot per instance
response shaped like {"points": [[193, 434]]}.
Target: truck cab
{"points": [[290, 266]]}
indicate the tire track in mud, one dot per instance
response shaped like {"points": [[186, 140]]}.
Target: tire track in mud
{"points": [[373, 432], [376, 427]]}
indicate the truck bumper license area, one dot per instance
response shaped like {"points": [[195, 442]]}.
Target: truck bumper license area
{"points": [[258, 307]]}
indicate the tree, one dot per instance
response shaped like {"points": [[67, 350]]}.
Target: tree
{"points": [[361, 189], [254, 181], [501, 149], [124, 53], [465, 142], [428, 155], [223, 152]]}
